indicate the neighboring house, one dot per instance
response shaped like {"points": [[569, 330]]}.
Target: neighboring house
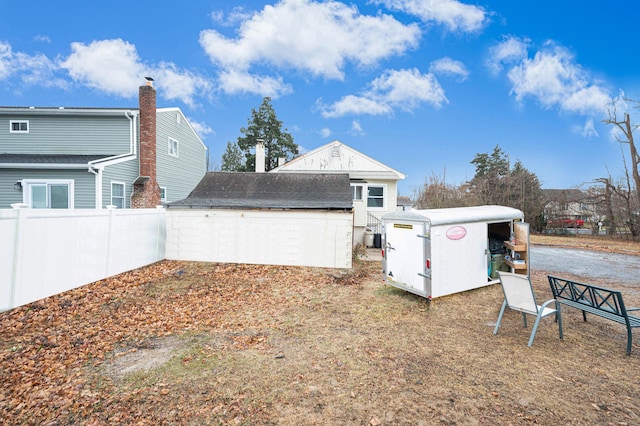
{"points": [[569, 205], [264, 218], [373, 184], [404, 203], [95, 157]]}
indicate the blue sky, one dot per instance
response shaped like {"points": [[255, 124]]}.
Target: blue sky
{"points": [[421, 85]]}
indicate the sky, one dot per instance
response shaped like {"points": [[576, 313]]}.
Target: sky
{"points": [[422, 86]]}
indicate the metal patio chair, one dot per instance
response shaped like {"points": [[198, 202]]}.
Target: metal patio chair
{"points": [[519, 296]]}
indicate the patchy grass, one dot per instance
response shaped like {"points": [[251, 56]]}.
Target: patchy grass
{"points": [[195, 343]]}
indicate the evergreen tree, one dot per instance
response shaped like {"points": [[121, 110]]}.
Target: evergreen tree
{"points": [[232, 158], [265, 126], [496, 183]]}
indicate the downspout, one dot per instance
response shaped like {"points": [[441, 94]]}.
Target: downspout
{"points": [[97, 169]]}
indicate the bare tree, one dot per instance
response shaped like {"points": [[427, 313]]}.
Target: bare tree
{"points": [[436, 193], [628, 190], [607, 203], [625, 136]]}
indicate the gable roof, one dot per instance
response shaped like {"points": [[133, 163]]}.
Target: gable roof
{"points": [[565, 195], [336, 157], [403, 200], [269, 191]]}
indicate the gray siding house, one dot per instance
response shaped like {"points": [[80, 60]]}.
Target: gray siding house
{"points": [[95, 157]]}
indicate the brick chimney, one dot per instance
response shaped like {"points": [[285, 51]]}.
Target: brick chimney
{"points": [[146, 192]]}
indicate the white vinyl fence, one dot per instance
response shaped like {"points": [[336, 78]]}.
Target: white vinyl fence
{"points": [[45, 252]]}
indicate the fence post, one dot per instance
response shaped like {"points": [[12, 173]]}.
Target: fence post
{"points": [[21, 211], [112, 213], [159, 221]]}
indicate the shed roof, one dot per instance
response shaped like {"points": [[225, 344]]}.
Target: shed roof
{"points": [[270, 191], [458, 215]]}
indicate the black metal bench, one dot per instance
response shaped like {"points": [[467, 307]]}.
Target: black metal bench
{"points": [[600, 301]]}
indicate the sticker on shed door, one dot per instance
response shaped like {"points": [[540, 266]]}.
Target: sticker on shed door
{"points": [[456, 232]]}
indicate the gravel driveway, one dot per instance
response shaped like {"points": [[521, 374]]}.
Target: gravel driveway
{"points": [[599, 266]]}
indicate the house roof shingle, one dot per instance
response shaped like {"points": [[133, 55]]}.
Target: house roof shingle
{"points": [[270, 191], [59, 159]]}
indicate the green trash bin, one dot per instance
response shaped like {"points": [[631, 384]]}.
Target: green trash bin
{"points": [[497, 260]]}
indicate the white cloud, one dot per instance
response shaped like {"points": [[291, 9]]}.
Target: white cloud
{"points": [[182, 85], [38, 70], [512, 49], [448, 66], [586, 100], [552, 77], [325, 133], [5, 60], [588, 130], [233, 82], [403, 89], [237, 15], [407, 89], [202, 129], [111, 66], [354, 105], [313, 37], [32, 69], [555, 80], [356, 129], [453, 14], [42, 38], [114, 67]]}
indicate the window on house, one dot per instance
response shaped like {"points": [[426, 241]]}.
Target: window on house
{"points": [[356, 192], [19, 126], [55, 194], [163, 194], [178, 118], [117, 194], [375, 196], [173, 147]]}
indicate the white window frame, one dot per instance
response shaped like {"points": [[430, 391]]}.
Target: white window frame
{"points": [[124, 194], [178, 119], [12, 122], [384, 196], [27, 185], [354, 191], [163, 194], [170, 149]]}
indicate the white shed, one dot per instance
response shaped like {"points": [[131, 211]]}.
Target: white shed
{"points": [[438, 252], [264, 218]]}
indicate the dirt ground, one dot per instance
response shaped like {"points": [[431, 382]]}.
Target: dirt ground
{"points": [[195, 343]]}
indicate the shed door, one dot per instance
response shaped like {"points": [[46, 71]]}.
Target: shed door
{"points": [[404, 253]]}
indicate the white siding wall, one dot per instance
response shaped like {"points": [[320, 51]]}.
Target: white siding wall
{"points": [[301, 238], [67, 134], [83, 182], [179, 175]]}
